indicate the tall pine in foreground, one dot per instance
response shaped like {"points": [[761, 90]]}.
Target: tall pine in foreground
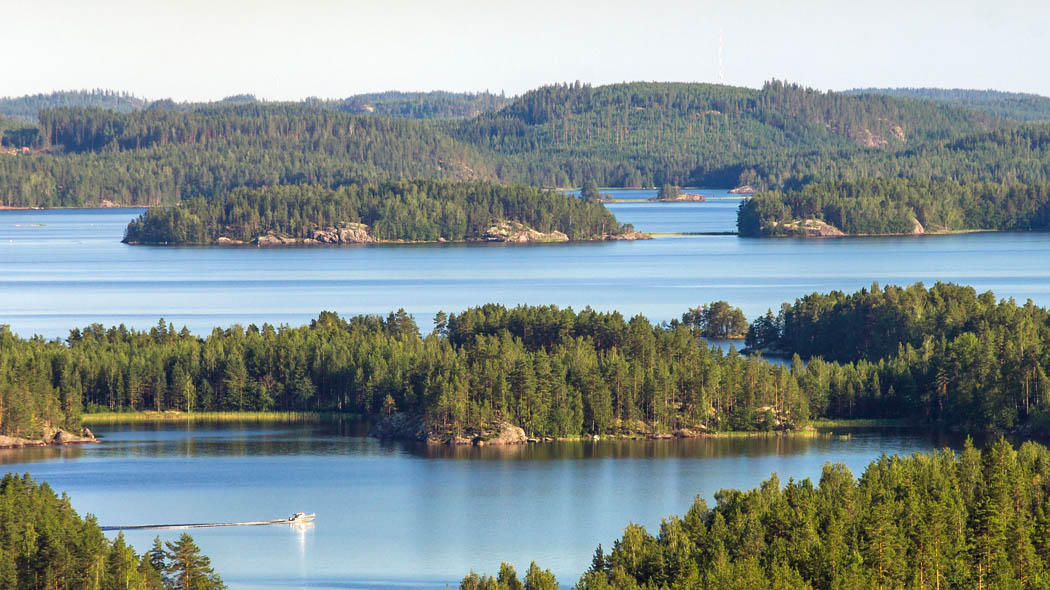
{"points": [[45, 544]]}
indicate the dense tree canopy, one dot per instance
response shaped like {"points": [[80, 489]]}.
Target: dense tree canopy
{"points": [[45, 544], [640, 134], [416, 211], [943, 356], [944, 353], [893, 206], [979, 520], [1012, 105]]}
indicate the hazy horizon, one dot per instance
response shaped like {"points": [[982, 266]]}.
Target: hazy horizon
{"points": [[197, 50], [508, 95]]}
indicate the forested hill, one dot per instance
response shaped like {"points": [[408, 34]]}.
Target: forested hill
{"points": [[1011, 105], [421, 105], [158, 156], [408, 105], [418, 211], [646, 134], [27, 108], [639, 134]]}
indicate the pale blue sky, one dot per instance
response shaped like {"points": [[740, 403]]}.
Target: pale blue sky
{"points": [[207, 49]]}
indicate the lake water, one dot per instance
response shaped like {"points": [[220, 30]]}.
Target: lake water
{"points": [[393, 516], [65, 268]]}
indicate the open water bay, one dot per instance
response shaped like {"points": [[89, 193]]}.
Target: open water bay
{"points": [[65, 268], [393, 516]]}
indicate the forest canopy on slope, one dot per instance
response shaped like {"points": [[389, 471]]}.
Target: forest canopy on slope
{"points": [[982, 366], [411, 211], [980, 519], [637, 134], [1011, 105], [893, 206]]}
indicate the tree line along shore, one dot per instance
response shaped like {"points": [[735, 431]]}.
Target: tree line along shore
{"points": [[943, 356]]}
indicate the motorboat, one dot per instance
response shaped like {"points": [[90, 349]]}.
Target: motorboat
{"points": [[300, 517]]}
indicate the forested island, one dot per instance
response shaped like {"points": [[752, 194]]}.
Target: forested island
{"points": [[980, 519], [943, 356], [47, 545], [895, 207], [419, 211]]}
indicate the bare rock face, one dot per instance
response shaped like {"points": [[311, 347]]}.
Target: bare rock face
{"points": [[683, 198], [627, 237], [746, 189], [66, 438], [917, 227], [272, 240], [347, 233], [509, 434], [813, 228], [512, 231]]}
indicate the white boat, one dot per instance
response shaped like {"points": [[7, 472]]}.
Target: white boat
{"points": [[300, 517]]}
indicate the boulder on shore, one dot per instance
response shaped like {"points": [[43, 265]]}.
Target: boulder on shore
{"points": [[512, 231], [509, 434]]}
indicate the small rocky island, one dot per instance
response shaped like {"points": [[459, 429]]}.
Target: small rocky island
{"points": [[672, 194]]}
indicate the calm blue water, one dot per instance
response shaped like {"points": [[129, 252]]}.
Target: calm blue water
{"points": [[67, 268], [391, 515]]}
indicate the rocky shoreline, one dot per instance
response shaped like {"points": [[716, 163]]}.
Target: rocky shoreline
{"points": [[682, 198], [511, 232], [52, 437], [410, 427], [817, 228]]}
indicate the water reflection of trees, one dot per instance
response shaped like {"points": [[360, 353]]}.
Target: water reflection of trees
{"points": [[338, 437]]}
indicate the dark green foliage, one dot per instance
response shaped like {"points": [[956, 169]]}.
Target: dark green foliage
{"points": [[552, 371], [161, 156], [945, 354], [1011, 105], [45, 544], [186, 569], [416, 211], [717, 320], [639, 134], [421, 105], [933, 521], [892, 206], [590, 191], [26, 108], [667, 192]]}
